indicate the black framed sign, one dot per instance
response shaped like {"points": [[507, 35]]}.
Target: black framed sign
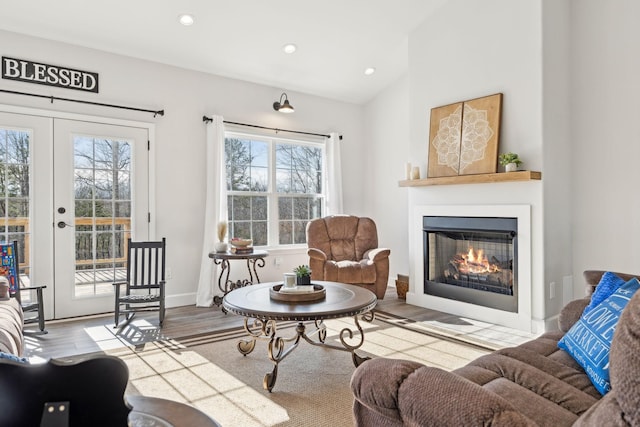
{"points": [[51, 75]]}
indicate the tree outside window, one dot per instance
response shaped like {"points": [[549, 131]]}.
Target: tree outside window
{"points": [[15, 159], [102, 182], [274, 186]]}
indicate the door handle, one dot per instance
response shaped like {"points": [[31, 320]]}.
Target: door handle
{"points": [[62, 224]]}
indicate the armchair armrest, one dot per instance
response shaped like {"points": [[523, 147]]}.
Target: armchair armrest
{"points": [[33, 288], [375, 385], [317, 254], [571, 313], [377, 254], [414, 395]]}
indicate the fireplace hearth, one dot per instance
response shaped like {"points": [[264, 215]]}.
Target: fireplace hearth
{"points": [[472, 259]]}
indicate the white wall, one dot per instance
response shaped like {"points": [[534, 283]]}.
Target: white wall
{"points": [[556, 149], [180, 135], [387, 148], [472, 49], [463, 52], [568, 70], [605, 89]]}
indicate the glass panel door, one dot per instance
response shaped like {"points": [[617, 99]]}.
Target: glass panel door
{"points": [[101, 199], [25, 171]]}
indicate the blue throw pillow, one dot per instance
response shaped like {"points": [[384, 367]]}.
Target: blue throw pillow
{"points": [[15, 358], [608, 284], [589, 340]]}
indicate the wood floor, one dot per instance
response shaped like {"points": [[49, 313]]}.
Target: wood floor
{"points": [[89, 334]]}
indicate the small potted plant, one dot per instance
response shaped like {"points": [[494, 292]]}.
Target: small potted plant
{"points": [[510, 161], [221, 245], [303, 275]]}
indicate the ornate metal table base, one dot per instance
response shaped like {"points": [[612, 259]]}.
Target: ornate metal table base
{"points": [[254, 260], [259, 329]]}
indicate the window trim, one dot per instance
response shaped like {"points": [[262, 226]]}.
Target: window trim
{"points": [[271, 195]]}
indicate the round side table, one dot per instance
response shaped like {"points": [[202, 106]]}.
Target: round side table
{"points": [[253, 260]]}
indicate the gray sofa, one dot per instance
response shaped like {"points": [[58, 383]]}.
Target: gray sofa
{"points": [[11, 323], [534, 384]]}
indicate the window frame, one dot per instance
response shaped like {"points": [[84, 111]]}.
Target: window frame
{"points": [[273, 219]]}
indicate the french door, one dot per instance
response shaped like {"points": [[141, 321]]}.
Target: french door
{"points": [[101, 199], [71, 192], [25, 148]]}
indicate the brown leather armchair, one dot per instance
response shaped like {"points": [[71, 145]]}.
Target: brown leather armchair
{"points": [[344, 248]]}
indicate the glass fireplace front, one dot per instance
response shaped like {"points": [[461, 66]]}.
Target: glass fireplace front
{"points": [[472, 259]]}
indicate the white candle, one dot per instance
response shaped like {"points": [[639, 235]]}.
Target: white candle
{"points": [[407, 171]]}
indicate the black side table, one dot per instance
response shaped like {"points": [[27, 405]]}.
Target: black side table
{"points": [[253, 259]]}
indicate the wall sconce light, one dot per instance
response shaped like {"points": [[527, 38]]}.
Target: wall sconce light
{"points": [[283, 107]]}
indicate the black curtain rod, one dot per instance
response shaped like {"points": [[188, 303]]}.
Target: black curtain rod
{"points": [[55, 98], [209, 120]]}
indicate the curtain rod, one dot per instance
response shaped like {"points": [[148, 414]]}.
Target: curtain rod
{"points": [[209, 120], [55, 98]]}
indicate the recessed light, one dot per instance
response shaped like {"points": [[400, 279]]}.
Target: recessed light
{"points": [[186, 19], [289, 48], [369, 71]]}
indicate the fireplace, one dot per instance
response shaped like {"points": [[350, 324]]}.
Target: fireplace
{"points": [[472, 260], [484, 304]]}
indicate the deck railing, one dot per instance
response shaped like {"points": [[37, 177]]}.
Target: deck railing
{"points": [[110, 235]]}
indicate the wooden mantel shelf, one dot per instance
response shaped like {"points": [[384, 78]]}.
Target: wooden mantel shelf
{"points": [[474, 179]]}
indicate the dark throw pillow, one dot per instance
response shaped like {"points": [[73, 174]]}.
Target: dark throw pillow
{"points": [[589, 340]]}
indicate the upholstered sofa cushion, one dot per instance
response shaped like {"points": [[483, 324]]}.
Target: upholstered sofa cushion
{"points": [[363, 271], [625, 361], [343, 237], [621, 405], [589, 340], [11, 323], [535, 383]]}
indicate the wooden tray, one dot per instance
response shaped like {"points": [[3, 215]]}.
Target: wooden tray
{"points": [[319, 292]]}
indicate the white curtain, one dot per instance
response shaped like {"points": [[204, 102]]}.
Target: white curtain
{"points": [[333, 175], [215, 210]]}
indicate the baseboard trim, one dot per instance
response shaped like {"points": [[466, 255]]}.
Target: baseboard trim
{"points": [[180, 300]]}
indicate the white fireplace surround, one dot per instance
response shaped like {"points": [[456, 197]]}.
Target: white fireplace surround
{"points": [[416, 296]]}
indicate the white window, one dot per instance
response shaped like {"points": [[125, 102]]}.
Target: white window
{"points": [[274, 187]]}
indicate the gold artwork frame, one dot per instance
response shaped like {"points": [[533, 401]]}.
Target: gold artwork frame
{"points": [[464, 137]]}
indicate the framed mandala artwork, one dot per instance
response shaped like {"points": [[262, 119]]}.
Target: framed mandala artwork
{"points": [[464, 137]]}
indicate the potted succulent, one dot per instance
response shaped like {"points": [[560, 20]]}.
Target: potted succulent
{"points": [[303, 275], [510, 161], [221, 245]]}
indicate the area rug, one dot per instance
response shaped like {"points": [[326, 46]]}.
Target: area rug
{"points": [[312, 387]]}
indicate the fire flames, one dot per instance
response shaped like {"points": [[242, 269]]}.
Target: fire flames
{"points": [[474, 263]]}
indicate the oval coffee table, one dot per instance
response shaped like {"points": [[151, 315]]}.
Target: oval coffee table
{"points": [[341, 300]]}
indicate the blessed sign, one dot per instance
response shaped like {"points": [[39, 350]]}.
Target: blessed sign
{"points": [[50, 75]]}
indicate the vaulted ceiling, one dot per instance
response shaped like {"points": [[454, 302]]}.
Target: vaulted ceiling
{"points": [[243, 39]]}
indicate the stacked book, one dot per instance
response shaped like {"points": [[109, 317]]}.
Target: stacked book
{"points": [[241, 250]]}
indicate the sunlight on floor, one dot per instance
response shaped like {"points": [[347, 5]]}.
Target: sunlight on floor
{"points": [[104, 337], [169, 370]]}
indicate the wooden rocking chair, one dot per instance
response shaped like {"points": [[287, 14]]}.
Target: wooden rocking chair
{"points": [[144, 287]]}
